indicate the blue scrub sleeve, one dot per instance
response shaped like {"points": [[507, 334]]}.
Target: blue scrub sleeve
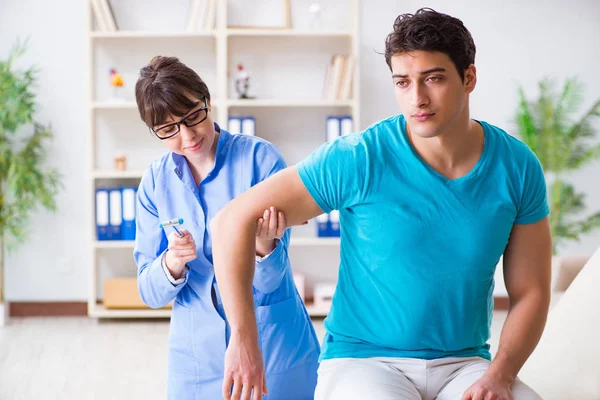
{"points": [[151, 242], [269, 271]]}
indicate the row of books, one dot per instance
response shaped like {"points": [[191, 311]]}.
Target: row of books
{"points": [[335, 126], [201, 15], [115, 207], [339, 77], [242, 125], [115, 213], [328, 225], [105, 18]]}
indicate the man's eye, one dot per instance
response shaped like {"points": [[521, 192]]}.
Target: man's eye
{"points": [[401, 83], [434, 79]]}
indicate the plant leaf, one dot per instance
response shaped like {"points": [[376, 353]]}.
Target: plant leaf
{"points": [[26, 183]]}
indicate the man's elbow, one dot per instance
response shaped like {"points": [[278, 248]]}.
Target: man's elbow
{"points": [[217, 222], [226, 219], [537, 296]]}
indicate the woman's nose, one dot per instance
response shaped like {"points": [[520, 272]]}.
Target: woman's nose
{"points": [[186, 133]]}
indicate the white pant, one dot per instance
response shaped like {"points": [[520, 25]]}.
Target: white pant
{"points": [[384, 378]]}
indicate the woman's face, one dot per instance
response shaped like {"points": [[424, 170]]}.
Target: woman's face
{"points": [[197, 135]]}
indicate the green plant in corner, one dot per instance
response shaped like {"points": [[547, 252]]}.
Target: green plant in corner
{"points": [[563, 144], [25, 182]]}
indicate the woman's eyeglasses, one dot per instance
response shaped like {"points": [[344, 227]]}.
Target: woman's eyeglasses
{"points": [[192, 119]]}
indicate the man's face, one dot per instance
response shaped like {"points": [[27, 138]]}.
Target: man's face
{"points": [[430, 92]]}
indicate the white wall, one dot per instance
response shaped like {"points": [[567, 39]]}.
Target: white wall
{"points": [[57, 46], [517, 42], [525, 43]]}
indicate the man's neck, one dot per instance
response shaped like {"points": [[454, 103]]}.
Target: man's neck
{"points": [[454, 152]]}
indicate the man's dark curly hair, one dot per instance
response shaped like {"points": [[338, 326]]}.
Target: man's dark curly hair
{"points": [[430, 30]]}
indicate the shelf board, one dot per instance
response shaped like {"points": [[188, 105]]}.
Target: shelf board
{"points": [[114, 244], [125, 104], [288, 103], [99, 311], [314, 241], [114, 105], [295, 241], [150, 35], [286, 32], [117, 174], [313, 311]]}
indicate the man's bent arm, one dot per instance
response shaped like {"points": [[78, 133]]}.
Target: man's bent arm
{"points": [[233, 234], [527, 277]]}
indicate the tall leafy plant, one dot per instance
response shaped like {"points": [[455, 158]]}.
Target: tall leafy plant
{"points": [[563, 144], [25, 182]]}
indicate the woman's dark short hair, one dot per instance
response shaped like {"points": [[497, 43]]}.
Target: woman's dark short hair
{"points": [[166, 86], [430, 30]]}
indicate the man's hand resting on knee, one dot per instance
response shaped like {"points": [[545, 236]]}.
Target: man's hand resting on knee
{"points": [[488, 388]]}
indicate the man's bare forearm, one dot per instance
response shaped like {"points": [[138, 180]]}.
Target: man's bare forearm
{"points": [[234, 250], [520, 335], [234, 238]]}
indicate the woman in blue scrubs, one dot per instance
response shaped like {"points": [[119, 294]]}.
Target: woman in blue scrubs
{"points": [[203, 170]]}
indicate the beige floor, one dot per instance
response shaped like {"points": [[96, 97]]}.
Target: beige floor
{"points": [[83, 359]]}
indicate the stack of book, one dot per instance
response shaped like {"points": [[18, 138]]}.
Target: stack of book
{"points": [[328, 225], [242, 125], [105, 18], [339, 77], [201, 15], [115, 213]]}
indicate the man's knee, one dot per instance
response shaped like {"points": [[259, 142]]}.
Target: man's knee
{"points": [[337, 378], [521, 391]]}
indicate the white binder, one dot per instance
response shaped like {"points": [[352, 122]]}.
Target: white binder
{"points": [[333, 128], [248, 126], [235, 125]]}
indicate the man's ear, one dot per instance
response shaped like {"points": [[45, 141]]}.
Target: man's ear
{"points": [[470, 80]]}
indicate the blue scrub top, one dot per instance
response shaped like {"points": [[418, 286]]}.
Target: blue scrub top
{"points": [[199, 331]]}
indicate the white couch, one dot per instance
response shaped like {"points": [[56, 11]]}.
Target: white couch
{"points": [[566, 363]]}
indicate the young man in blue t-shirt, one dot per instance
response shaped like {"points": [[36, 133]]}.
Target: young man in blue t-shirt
{"points": [[429, 200]]}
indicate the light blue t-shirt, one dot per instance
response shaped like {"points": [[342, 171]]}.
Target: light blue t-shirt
{"points": [[418, 250]]}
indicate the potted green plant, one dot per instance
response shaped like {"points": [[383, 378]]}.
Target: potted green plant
{"points": [[26, 183], [563, 140]]}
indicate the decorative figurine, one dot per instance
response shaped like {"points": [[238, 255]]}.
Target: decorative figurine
{"points": [[116, 81], [121, 162], [242, 82], [316, 20]]}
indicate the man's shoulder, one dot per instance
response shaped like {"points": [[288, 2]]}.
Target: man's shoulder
{"points": [[393, 124], [373, 134], [507, 145]]}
